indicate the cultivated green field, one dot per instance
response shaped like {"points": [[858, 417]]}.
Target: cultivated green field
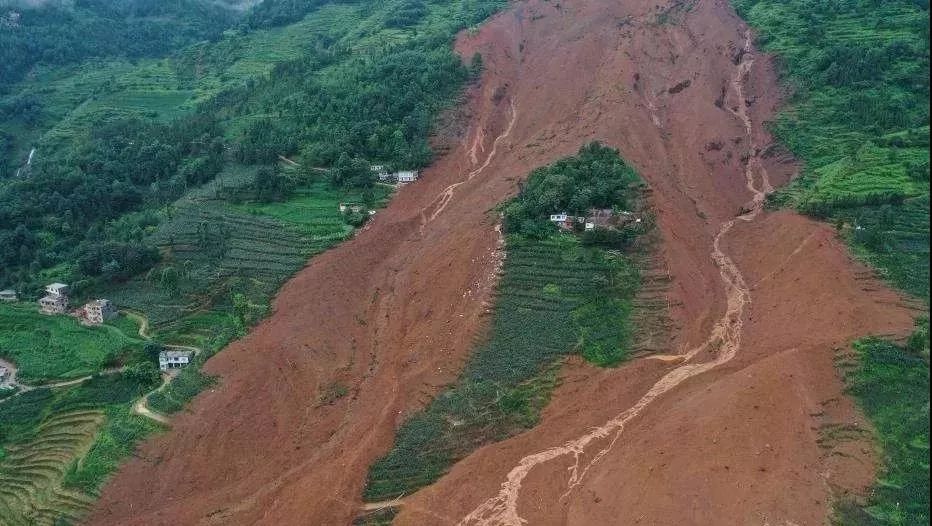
{"points": [[47, 348], [58, 445], [559, 294], [891, 382], [548, 306], [859, 118]]}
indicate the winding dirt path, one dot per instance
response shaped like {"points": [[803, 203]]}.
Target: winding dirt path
{"points": [[140, 406], [729, 432]]}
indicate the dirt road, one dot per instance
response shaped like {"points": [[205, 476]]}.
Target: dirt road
{"points": [[728, 434]]}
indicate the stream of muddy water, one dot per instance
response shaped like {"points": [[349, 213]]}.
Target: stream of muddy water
{"points": [[721, 346]]}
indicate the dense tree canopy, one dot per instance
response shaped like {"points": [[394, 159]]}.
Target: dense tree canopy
{"points": [[66, 32], [594, 178]]}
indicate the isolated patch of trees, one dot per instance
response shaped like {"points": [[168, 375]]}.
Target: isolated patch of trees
{"points": [[594, 178]]}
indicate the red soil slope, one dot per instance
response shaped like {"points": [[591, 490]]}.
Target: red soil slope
{"points": [[729, 436]]}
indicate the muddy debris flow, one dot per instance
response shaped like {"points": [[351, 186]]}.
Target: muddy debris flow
{"points": [[725, 428]]}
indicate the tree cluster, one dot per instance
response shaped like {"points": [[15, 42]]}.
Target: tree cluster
{"points": [[596, 177]]}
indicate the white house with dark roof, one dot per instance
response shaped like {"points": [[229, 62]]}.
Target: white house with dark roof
{"points": [[175, 359]]}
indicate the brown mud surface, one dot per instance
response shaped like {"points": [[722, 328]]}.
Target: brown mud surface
{"points": [[736, 431]]}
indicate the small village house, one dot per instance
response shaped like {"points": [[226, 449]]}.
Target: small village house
{"points": [[564, 221], [8, 295], [55, 300], [380, 172], [603, 218], [174, 359], [99, 311], [352, 207], [59, 289], [406, 176], [4, 373]]}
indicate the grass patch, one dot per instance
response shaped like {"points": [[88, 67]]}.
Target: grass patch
{"points": [[891, 384], [116, 440], [48, 348], [182, 389]]}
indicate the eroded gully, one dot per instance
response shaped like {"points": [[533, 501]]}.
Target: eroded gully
{"points": [[722, 345]]}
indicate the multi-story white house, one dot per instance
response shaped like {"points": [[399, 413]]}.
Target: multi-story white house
{"points": [[406, 176]]}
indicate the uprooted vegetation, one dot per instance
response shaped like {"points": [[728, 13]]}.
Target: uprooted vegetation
{"points": [[557, 296]]}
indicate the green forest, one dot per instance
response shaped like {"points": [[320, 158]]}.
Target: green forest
{"points": [[858, 117], [111, 137]]}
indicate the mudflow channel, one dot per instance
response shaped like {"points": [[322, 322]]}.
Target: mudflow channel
{"points": [[725, 336], [726, 428]]}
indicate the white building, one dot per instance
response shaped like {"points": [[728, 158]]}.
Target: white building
{"points": [[559, 218], [99, 311], [59, 289], [352, 207], [174, 359], [406, 176], [56, 299], [8, 295]]}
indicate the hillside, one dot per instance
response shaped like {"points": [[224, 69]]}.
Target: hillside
{"points": [[186, 189], [662, 263], [759, 301]]}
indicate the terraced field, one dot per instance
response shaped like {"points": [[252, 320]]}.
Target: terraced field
{"points": [[76, 97], [555, 298], [32, 473], [859, 119], [219, 249]]}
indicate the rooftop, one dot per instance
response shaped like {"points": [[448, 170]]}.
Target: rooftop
{"points": [[176, 353]]}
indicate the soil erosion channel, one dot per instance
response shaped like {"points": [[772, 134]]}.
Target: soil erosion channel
{"points": [[729, 428]]}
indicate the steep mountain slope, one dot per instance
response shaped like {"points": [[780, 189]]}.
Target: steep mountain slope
{"points": [[738, 429]]}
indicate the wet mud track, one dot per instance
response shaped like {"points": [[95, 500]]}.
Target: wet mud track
{"points": [[725, 431]]}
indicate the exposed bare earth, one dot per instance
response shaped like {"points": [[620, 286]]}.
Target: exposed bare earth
{"points": [[729, 436]]}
